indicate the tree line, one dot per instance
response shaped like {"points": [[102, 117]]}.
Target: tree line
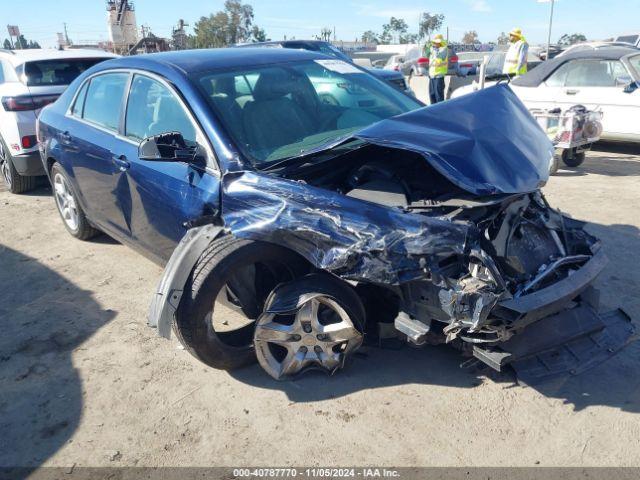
{"points": [[21, 43]]}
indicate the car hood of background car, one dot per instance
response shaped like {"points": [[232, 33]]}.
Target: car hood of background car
{"points": [[485, 143]]}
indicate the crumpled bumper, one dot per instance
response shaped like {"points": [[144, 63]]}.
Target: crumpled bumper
{"points": [[558, 329], [530, 308], [569, 342]]}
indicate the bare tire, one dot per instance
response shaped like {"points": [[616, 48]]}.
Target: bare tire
{"points": [[224, 296], [73, 217], [575, 161], [15, 182], [312, 323]]}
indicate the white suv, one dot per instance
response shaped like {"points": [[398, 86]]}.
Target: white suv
{"points": [[29, 80]]}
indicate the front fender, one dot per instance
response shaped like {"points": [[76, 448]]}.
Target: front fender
{"points": [[171, 286]]}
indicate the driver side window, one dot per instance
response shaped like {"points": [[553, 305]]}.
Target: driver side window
{"points": [[154, 109], [587, 73]]}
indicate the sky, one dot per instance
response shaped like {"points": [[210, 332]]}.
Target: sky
{"points": [[86, 19]]}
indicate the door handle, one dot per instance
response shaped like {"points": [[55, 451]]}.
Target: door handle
{"points": [[571, 92], [65, 137], [121, 162]]}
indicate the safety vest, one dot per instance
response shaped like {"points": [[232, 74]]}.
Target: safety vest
{"points": [[439, 61], [516, 50]]}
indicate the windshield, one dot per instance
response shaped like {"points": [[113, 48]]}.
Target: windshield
{"points": [[280, 111], [632, 39], [56, 72]]}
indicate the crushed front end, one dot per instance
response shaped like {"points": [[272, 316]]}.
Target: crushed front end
{"points": [[522, 296]]}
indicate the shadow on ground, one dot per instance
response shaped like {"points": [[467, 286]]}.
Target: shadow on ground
{"points": [[44, 318], [614, 383]]}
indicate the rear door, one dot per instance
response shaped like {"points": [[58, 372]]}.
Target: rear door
{"points": [[88, 144], [158, 198]]}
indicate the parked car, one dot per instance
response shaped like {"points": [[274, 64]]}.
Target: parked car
{"points": [[629, 38], [394, 63], [587, 46], [602, 79], [415, 64], [290, 226], [29, 80], [394, 78]]}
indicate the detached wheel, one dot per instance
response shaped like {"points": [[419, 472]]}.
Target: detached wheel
{"points": [[573, 161], [315, 322], [15, 182], [225, 295], [73, 217]]}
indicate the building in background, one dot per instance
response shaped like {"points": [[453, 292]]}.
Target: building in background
{"points": [[179, 36], [123, 29]]}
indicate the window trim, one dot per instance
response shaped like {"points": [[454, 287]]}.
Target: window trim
{"points": [[212, 166]]}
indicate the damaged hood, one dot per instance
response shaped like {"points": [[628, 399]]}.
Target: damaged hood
{"points": [[485, 143]]}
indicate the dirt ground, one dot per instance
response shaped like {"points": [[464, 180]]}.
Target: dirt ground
{"points": [[84, 381]]}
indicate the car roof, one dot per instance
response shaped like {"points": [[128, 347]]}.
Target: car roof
{"points": [[282, 42], [191, 61], [536, 76], [17, 57]]}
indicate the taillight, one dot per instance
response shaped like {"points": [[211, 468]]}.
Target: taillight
{"points": [[18, 104], [453, 59], [396, 68], [423, 60], [29, 141], [21, 103], [41, 101]]}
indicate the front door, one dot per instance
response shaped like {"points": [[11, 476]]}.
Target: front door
{"points": [[159, 197]]}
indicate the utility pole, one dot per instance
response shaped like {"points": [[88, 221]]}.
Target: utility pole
{"points": [[66, 35], [550, 25]]}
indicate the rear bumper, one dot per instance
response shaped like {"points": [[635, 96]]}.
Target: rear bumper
{"points": [[28, 164]]}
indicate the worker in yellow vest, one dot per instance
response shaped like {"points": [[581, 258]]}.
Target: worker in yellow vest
{"points": [[438, 68], [515, 63]]}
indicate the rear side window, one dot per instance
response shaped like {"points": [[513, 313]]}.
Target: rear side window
{"points": [[79, 102], [55, 72], [588, 73], [104, 99]]}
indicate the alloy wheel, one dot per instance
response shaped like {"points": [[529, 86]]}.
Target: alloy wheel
{"points": [[5, 168], [66, 202], [319, 335]]}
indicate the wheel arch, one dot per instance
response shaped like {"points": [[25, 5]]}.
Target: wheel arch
{"points": [[170, 289]]}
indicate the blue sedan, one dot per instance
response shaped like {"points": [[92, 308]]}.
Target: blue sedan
{"points": [[295, 199]]}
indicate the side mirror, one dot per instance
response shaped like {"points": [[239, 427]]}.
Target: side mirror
{"points": [[631, 87], [166, 147]]}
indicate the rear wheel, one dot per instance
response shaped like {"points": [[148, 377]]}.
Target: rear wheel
{"points": [[226, 293], [73, 217], [555, 164], [15, 182]]}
